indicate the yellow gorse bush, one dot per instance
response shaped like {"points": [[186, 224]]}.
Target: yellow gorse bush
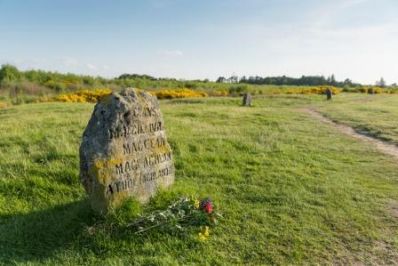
{"points": [[3, 105], [93, 96], [218, 93], [177, 93], [83, 96], [311, 90], [372, 90]]}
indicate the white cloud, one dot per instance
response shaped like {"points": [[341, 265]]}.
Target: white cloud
{"points": [[170, 53], [91, 66], [69, 61], [351, 3]]}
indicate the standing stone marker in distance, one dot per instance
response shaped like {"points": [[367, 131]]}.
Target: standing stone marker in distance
{"points": [[247, 99], [328, 94], [124, 152]]}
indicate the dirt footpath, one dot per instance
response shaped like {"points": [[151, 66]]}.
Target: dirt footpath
{"points": [[383, 146]]}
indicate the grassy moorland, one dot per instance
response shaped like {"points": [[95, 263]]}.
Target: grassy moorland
{"points": [[292, 190], [375, 115]]}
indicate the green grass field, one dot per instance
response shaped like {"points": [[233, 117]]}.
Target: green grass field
{"points": [[374, 115], [292, 190]]}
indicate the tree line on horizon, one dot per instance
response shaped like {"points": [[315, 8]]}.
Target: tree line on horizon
{"points": [[9, 73], [302, 81]]}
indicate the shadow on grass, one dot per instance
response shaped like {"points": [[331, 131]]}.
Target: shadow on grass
{"points": [[38, 235]]}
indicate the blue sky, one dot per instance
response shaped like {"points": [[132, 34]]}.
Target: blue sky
{"points": [[357, 39]]}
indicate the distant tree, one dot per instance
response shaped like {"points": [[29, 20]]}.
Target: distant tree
{"points": [[9, 73], [233, 79], [347, 82], [221, 80], [331, 80], [191, 85], [136, 76], [302, 81], [381, 82]]}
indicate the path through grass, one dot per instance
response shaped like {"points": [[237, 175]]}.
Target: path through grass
{"points": [[375, 115]]}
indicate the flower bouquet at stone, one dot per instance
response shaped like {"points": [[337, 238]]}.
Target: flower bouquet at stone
{"points": [[183, 213]]}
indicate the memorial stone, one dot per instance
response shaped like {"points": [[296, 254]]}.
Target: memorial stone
{"points": [[124, 152]]}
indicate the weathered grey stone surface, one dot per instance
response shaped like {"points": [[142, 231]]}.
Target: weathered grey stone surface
{"points": [[247, 99], [328, 94], [124, 152]]}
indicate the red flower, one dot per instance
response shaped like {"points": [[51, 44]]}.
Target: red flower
{"points": [[208, 207]]}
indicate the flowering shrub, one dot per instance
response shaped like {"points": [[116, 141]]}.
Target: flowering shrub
{"points": [[309, 90], [235, 91], [94, 95], [218, 93], [178, 93], [44, 99], [3, 105], [371, 90], [84, 96], [181, 213]]}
